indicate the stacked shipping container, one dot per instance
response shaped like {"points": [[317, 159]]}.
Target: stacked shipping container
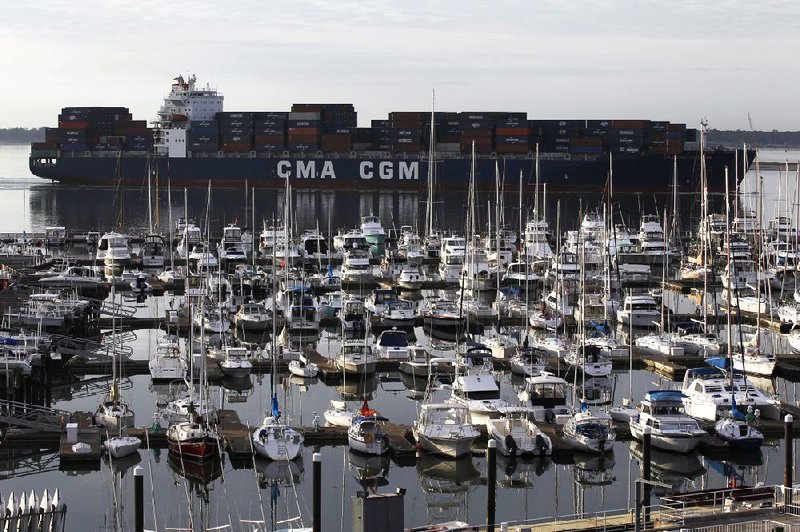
{"points": [[332, 128]]}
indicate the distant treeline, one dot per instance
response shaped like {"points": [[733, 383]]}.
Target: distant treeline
{"points": [[776, 139], [781, 139], [21, 135]]}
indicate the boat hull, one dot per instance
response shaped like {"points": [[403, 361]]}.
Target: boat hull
{"points": [[632, 173]]}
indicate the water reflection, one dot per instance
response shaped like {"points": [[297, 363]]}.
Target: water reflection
{"points": [[446, 485]]}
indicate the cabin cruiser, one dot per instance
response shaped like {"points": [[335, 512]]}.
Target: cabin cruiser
{"points": [[236, 363], [452, 258], [521, 275], [441, 313], [671, 428], [475, 386], [153, 251], [313, 247], [356, 267], [393, 345], [546, 394], [167, 362], [374, 233], [114, 249], [231, 248], [639, 310], [445, 428], [356, 357], [537, 245], [190, 237], [711, 392], [367, 433], [411, 278], [73, 277], [252, 317]]}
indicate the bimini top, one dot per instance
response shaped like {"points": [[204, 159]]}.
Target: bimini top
{"points": [[663, 396]]}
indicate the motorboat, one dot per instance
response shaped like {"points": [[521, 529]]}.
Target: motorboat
{"points": [[546, 394], [517, 435], [73, 277], [152, 253], [393, 345], [590, 360], [445, 428], [710, 393], [114, 249], [252, 317], [122, 446], [442, 313], [338, 415], [236, 363], [639, 310], [167, 362], [475, 386], [374, 233], [356, 357], [740, 434], [411, 278], [671, 428]]}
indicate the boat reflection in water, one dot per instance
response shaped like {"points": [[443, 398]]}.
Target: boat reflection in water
{"points": [[281, 473], [596, 391], [370, 470], [518, 473], [358, 388], [446, 484], [594, 470], [679, 470], [200, 476]]}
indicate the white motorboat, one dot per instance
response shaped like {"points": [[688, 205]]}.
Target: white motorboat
{"points": [[236, 363], [73, 277], [442, 313], [356, 357], [167, 362], [476, 388], [393, 345], [445, 428], [411, 278], [114, 249], [639, 310], [661, 343], [546, 394], [671, 428], [710, 393], [152, 253], [517, 435], [252, 317]]}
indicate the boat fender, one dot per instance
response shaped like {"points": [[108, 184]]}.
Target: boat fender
{"points": [[511, 444], [549, 416], [541, 443]]}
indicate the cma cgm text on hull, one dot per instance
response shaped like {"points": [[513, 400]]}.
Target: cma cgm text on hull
{"points": [[193, 141]]}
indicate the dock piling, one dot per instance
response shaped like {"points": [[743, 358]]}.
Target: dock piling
{"points": [[788, 459], [138, 486], [317, 488], [491, 481]]}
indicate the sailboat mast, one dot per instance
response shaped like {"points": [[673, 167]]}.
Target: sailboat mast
{"points": [[149, 201], [705, 222], [431, 169], [728, 257]]}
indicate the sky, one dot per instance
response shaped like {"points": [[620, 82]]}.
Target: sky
{"points": [[676, 60]]}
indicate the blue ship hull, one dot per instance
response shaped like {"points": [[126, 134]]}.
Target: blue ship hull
{"points": [[632, 173]]}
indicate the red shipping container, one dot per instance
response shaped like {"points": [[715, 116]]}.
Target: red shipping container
{"points": [[270, 139], [630, 124], [513, 148], [513, 131], [73, 125], [230, 147], [304, 131], [592, 142]]}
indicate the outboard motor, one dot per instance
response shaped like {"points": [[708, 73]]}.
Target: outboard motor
{"points": [[511, 444], [541, 444]]}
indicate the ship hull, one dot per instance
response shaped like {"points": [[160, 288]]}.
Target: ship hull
{"points": [[632, 173]]}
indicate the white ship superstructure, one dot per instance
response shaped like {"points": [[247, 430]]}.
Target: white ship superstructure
{"points": [[185, 103]]}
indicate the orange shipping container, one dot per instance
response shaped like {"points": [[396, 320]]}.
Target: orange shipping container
{"points": [[512, 131]]}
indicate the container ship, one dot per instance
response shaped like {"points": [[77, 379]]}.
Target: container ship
{"points": [[193, 141]]}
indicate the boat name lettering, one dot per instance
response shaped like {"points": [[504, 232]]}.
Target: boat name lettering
{"points": [[386, 170], [305, 170]]}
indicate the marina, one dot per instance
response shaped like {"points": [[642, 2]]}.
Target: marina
{"points": [[448, 338]]}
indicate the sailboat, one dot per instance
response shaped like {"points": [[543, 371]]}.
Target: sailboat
{"points": [[367, 433], [114, 413], [274, 439], [194, 438]]}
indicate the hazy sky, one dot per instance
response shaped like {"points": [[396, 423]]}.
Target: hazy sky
{"points": [[677, 60]]}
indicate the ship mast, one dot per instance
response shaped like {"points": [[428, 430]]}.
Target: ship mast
{"points": [[431, 170]]}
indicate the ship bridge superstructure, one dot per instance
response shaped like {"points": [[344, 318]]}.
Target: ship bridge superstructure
{"points": [[186, 102]]}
